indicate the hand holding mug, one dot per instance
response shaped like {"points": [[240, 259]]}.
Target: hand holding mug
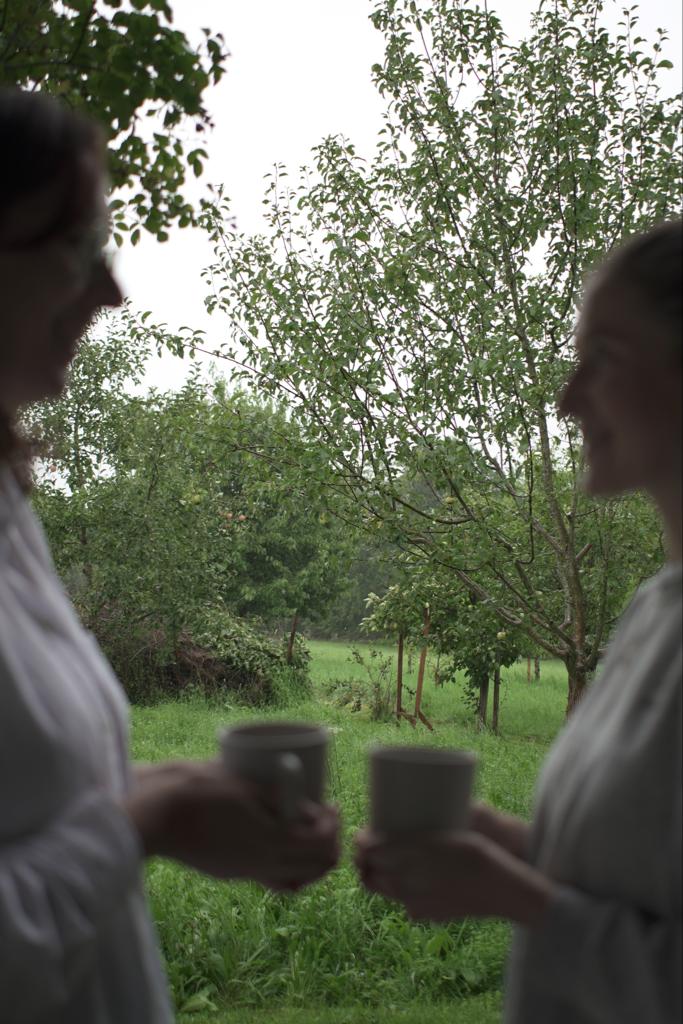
{"points": [[288, 762], [420, 850], [268, 824]]}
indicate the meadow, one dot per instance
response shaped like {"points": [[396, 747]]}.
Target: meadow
{"points": [[335, 954]]}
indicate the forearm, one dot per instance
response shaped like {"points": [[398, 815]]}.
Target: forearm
{"points": [[524, 894], [150, 803], [507, 831], [196, 813]]}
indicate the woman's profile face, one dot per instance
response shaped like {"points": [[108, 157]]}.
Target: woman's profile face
{"points": [[50, 289], [626, 395]]}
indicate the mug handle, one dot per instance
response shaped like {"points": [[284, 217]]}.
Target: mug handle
{"points": [[291, 789]]}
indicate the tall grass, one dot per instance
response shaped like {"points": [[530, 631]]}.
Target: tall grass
{"points": [[478, 1010], [334, 945]]}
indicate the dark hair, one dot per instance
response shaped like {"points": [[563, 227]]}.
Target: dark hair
{"points": [[651, 265], [41, 142]]}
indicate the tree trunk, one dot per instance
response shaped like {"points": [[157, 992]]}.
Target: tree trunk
{"points": [[496, 699], [528, 670], [537, 667], [482, 710], [577, 684], [292, 636]]}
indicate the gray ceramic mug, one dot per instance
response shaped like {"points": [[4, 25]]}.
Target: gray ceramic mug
{"points": [[420, 789], [291, 756]]}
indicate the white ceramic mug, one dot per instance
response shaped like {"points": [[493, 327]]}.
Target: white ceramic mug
{"points": [[420, 788], [291, 756]]}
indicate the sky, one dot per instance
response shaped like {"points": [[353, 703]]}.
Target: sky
{"points": [[299, 70]]}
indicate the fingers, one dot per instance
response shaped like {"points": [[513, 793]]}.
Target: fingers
{"points": [[301, 853], [379, 853], [316, 842], [369, 848], [319, 830], [413, 871], [318, 822]]}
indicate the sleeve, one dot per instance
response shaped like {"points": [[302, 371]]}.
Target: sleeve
{"points": [[70, 859], [616, 964], [57, 888]]}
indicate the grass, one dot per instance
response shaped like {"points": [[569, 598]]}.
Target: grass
{"points": [[334, 954], [478, 1010]]}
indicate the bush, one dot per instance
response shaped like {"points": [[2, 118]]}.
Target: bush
{"points": [[292, 683], [217, 654], [373, 693]]}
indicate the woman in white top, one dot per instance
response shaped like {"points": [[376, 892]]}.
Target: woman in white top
{"points": [[594, 883], [76, 818]]}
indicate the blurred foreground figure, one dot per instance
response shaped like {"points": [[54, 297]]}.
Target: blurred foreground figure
{"points": [[76, 818], [594, 884]]}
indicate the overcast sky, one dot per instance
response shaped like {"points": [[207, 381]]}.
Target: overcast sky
{"points": [[299, 70]]}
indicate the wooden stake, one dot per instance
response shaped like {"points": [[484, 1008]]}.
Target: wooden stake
{"points": [[421, 671], [400, 711], [292, 637], [399, 677]]}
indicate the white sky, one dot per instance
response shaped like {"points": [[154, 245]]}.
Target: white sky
{"points": [[299, 70]]}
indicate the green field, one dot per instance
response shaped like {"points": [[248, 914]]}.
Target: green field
{"points": [[334, 954]]}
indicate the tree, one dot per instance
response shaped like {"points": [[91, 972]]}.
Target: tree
{"points": [[141, 79], [460, 627], [417, 310], [290, 552], [163, 507], [372, 569]]}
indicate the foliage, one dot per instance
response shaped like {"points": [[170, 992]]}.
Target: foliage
{"points": [[161, 508], [220, 657], [254, 665], [141, 79], [373, 691], [372, 568], [416, 310], [460, 626]]}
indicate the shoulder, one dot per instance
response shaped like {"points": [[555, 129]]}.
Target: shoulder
{"points": [[668, 582], [11, 496], [656, 605], [18, 520]]}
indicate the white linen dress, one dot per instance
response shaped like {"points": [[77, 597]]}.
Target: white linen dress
{"points": [[607, 827], [76, 942]]}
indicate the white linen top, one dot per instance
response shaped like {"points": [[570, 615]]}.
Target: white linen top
{"points": [[607, 827], [76, 942]]}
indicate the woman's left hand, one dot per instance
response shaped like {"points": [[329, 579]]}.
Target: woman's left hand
{"points": [[442, 876]]}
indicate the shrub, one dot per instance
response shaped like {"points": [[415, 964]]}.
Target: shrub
{"points": [[217, 654], [372, 692]]}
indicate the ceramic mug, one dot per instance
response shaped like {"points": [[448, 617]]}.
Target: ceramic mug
{"points": [[420, 788], [291, 756]]}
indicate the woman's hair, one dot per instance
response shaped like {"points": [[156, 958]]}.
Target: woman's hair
{"points": [[651, 266], [41, 142]]}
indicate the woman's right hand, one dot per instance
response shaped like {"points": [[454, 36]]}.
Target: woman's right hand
{"points": [[195, 813]]}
